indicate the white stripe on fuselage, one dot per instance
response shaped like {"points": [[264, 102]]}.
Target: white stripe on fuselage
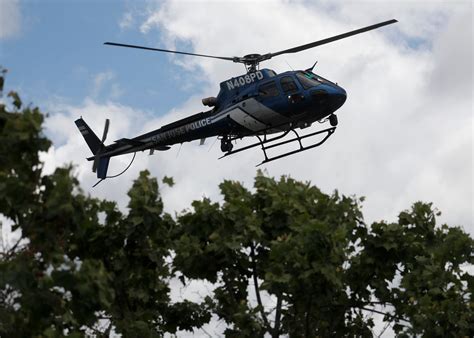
{"points": [[252, 115], [245, 120]]}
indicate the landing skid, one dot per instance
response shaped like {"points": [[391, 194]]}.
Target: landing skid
{"points": [[267, 143]]}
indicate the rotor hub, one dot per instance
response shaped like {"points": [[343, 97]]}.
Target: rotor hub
{"points": [[252, 57], [251, 61]]}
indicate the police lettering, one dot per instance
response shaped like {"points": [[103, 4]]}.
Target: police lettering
{"points": [[243, 80], [180, 130]]}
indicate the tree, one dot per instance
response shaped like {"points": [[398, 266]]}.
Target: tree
{"points": [[71, 271], [322, 266]]}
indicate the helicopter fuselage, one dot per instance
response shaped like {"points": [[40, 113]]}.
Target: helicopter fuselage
{"points": [[250, 104]]}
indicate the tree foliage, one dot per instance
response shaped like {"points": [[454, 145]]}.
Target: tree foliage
{"points": [[285, 257], [80, 260], [324, 269]]}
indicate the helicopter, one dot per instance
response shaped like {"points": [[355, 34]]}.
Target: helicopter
{"points": [[259, 103]]}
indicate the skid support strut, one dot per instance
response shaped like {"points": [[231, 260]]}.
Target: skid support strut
{"points": [[267, 143]]}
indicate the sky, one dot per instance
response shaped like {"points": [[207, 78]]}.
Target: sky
{"points": [[405, 133]]}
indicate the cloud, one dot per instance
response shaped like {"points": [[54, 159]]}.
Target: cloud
{"points": [[453, 57], [10, 18], [7, 236], [102, 86], [127, 21]]}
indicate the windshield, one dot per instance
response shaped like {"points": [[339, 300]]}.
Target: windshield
{"points": [[307, 80], [318, 77]]}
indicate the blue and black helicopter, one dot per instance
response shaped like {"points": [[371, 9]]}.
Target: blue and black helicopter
{"points": [[260, 103]]}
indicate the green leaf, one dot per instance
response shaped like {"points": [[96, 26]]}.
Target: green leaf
{"points": [[16, 98], [168, 180]]}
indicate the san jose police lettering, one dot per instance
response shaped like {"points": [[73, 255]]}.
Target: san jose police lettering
{"points": [[180, 130], [243, 80]]}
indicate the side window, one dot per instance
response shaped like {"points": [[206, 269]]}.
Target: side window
{"points": [[288, 84], [268, 90]]}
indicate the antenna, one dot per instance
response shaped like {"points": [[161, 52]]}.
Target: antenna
{"points": [[289, 65]]}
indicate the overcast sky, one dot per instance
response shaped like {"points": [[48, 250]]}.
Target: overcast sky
{"points": [[405, 132]]}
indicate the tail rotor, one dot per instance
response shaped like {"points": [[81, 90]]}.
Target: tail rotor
{"points": [[95, 164]]}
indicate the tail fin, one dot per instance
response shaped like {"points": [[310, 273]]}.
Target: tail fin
{"points": [[91, 138], [101, 163]]}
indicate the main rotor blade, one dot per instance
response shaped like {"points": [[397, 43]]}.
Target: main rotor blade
{"points": [[169, 51], [332, 39]]}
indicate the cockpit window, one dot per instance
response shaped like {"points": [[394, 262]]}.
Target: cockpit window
{"points": [[268, 90], [288, 84], [271, 73], [319, 78], [308, 80]]}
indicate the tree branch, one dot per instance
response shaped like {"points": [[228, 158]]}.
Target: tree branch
{"points": [[257, 291], [384, 313], [383, 331], [9, 253], [276, 329]]}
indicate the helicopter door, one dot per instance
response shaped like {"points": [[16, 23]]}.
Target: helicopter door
{"points": [[293, 94], [270, 96]]}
